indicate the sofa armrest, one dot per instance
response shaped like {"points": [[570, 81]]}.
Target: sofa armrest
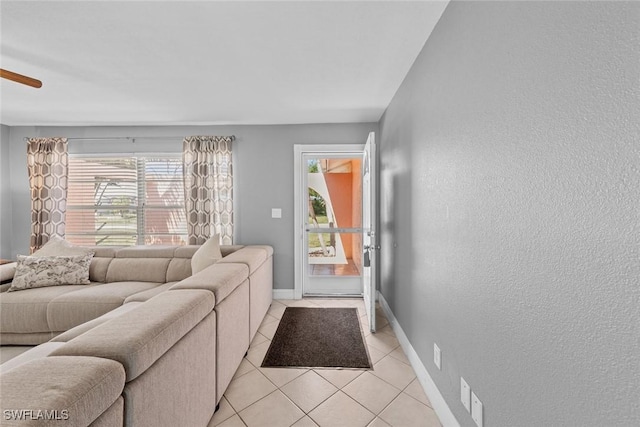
{"points": [[252, 256], [75, 391], [141, 336], [220, 278]]}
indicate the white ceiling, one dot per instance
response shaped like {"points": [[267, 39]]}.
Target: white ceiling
{"points": [[208, 62]]}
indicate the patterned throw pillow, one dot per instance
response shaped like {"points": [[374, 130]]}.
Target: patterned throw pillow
{"points": [[41, 271]]}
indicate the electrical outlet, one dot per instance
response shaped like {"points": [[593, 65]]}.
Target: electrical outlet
{"points": [[276, 213], [465, 394], [476, 409], [437, 356]]}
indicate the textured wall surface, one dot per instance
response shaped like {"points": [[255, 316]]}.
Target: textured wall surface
{"points": [[510, 210], [263, 169], [5, 194]]}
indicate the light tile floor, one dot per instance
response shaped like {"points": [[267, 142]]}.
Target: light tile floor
{"points": [[388, 395]]}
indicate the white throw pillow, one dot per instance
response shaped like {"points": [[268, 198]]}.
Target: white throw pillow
{"points": [[41, 271], [57, 246], [208, 254]]}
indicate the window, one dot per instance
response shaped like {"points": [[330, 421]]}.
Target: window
{"points": [[126, 200]]}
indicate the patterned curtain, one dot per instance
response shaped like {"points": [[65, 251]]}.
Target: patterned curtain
{"points": [[47, 162], [208, 188]]}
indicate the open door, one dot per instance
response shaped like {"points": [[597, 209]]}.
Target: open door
{"points": [[331, 205], [369, 238]]}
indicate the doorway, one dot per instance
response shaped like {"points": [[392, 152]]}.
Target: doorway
{"points": [[329, 215], [328, 203], [333, 227], [335, 246]]}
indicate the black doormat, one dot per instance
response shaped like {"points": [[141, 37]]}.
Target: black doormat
{"points": [[318, 337]]}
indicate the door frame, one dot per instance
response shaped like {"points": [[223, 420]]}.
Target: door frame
{"points": [[300, 211]]}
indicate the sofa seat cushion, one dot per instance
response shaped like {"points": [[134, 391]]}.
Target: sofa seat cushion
{"points": [[77, 307], [83, 387], [149, 293], [42, 350], [81, 329], [8, 352], [138, 338], [26, 311], [221, 279], [26, 339]]}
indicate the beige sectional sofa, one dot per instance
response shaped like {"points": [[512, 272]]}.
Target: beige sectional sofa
{"points": [[153, 344]]}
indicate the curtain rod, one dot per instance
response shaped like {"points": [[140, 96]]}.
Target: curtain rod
{"points": [[118, 138]]}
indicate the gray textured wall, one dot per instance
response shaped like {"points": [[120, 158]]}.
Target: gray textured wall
{"points": [[263, 168], [510, 210], [5, 194]]}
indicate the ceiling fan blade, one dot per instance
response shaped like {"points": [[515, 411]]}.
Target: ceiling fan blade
{"points": [[20, 78]]}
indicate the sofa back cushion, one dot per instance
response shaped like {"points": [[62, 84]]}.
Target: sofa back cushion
{"points": [[100, 263], [179, 269], [134, 263], [146, 251], [98, 269], [138, 269]]}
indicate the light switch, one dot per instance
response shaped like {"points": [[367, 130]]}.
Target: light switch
{"points": [[276, 213]]}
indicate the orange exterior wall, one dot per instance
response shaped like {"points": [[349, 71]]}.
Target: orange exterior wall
{"points": [[356, 213], [340, 186], [345, 190]]}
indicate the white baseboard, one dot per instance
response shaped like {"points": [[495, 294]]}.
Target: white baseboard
{"points": [[435, 397], [283, 294]]}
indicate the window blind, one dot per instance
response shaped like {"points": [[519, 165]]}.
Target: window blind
{"points": [[126, 200]]}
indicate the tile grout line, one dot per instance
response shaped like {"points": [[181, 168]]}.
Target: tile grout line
{"points": [[389, 333]]}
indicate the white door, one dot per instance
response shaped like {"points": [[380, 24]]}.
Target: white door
{"points": [[369, 238], [328, 220], [334, 218]]}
